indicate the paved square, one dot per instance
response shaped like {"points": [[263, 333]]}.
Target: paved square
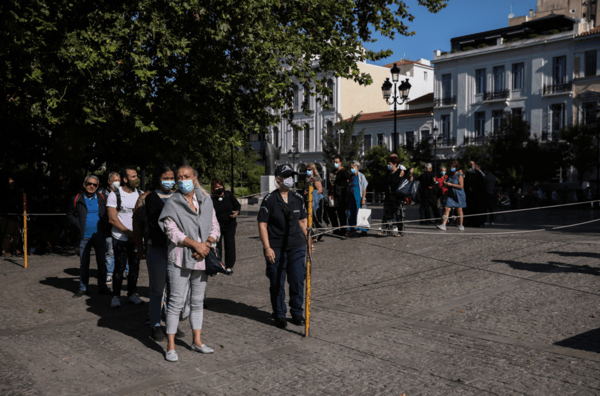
{"points": [[432, 313]]}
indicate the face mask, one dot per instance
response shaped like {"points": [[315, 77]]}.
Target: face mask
{"points": [[185, 186], [116, 185], [134, 183], [308, 173], [337, 165], [220, 190], [353, 171], [443, 173], [167, 184], [453, 169], [390, 167], [289, 182]]}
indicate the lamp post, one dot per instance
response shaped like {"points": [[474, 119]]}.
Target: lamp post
{"points": [[395, 99], [434, 140], [340, 133], [292, 155]]}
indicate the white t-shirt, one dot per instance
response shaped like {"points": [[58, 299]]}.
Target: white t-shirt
{"points": [[128, 202]]}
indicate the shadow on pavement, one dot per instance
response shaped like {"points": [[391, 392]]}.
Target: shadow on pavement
{"points": [[577, 254], [588, 341], [550, 266]]}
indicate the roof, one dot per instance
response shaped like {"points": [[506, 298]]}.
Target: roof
{"points": [[590, 32], [427, 98], [389, 115], [404, 62]]}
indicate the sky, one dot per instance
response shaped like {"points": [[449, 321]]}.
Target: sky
{"points": [[459, 18]]}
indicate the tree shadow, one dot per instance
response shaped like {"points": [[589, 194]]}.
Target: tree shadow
{"points": [[242, 310], [550, 266], [577, 254], [588, 341]]}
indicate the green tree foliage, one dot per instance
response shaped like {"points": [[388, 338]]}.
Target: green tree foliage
{"points": [[91, 83], [341, 143], [376, 161], [581, 150]]}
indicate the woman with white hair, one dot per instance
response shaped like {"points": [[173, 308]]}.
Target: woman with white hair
{"points": [[357, 198]]}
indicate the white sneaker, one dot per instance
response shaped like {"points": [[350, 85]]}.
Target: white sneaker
{"points": [[115, 302], [109, 279], [486, 224], [134, 299], [171, 356], [461, 228], [441, 227]]}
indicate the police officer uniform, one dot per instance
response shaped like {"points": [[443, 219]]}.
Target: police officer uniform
{"points": [[288, 241]]}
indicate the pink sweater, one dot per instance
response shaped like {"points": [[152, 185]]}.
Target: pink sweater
{"points": [[176, 236]]}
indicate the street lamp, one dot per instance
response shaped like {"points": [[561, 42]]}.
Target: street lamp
{"points": [[433, 139], [397, 98], [292, 155], [340, 133]]}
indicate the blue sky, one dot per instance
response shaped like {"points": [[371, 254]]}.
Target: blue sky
{"points": [[460, 17]]}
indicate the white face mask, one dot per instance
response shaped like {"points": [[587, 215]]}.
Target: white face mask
{"points": [[116, 185], [289, 182]]}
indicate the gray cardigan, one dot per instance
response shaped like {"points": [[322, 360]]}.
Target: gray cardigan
{"points": [[192, 224]]}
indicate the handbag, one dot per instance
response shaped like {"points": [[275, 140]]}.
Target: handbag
{"points": [[213, 264], [408, 189], [363, 218]]}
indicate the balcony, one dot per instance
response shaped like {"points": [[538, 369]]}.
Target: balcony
{"points": [[558, 89], [474, 140], [449, 101], [447, 142], [550, 136], [496, 95]]}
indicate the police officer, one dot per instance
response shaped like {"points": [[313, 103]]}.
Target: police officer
{"points": [[282, 226]]}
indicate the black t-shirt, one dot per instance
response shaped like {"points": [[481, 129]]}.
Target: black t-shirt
{"points": [[392, 182], [340, 187], [427, 179], [154, 206], [284, 234], [224, 207]]}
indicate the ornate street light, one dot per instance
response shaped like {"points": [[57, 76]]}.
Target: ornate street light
{"points": [[397, 98], [435, 140], [293, 155]]}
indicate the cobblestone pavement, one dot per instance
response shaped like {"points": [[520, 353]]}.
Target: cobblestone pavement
{"points": [[427, 314]]}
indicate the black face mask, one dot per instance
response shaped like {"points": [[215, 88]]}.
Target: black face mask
{"points": [[219, 191]]}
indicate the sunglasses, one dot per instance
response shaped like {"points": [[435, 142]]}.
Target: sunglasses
{"points": [[91, 184]]}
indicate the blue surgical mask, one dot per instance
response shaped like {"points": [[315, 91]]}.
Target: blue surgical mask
{"points": [[185, 186], [453, 169], [353, 171], [289, 182], [443, 173], [308, 173], [167, 184], [336, 164], [390, 167]]}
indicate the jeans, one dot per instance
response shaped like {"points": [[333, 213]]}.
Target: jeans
{"points": [[125, 254], [180, 281], [290, 262], [393, 210], [229, 235], [85, 248], [428, 200], [157, 261]]}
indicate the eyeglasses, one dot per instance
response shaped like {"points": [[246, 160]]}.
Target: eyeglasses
{"points": [[91, 184]]}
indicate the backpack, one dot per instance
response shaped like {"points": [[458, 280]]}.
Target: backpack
{"points": [[118, 194], [75, 202]]}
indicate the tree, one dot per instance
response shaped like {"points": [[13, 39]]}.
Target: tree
{"points": [[104, 82], [342, 144], [376, 161], [581, 149]]}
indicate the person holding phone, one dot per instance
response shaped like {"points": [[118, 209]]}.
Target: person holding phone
{"points": [[227, 208], [282, 222]]}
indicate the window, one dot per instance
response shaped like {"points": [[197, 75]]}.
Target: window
{"points": [[559, 70], [410, 140], [367, 145], [499, 79], [296, 98], [329, 128], [517, 76], [479, 81], [295, 135], [380, 139], [480, 123], [425, 134], [590, 63], [445, 124], [497, 120], [589, 112], [558, 117], [517, 113], [330, 86], [306, 137], [424, 76], [276, 136], [446, 86]]}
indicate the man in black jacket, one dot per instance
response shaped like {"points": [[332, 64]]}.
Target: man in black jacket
{"points": [[86, 211]]}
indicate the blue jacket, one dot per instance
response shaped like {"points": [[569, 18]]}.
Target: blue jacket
{"points": [[77, 213]]}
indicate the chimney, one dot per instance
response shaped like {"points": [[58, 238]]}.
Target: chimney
{"points": [[531, 14]]}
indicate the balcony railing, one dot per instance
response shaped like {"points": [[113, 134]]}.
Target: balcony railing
{"points": [[493, 95], [448, 141], [474, 140], [449, 101], [549, 136], [558, 88]]}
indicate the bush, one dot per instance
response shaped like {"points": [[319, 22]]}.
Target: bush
{"points": [[554, 31], [482, 45], [444, 53], [533, 35], [454, 51], [467, 48]]}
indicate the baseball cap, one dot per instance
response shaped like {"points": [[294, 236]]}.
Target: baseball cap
{"points": [[284, 170]]}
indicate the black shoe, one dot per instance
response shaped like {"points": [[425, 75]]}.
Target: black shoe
{"points": [[158, 334], [204, 306], [298, 320], [105, 291], [80, 293], [179, 334], [281, 323], [229, 271]]}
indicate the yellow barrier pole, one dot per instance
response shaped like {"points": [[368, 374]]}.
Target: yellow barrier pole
{"points": [[25, 228], [309, 250]]}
